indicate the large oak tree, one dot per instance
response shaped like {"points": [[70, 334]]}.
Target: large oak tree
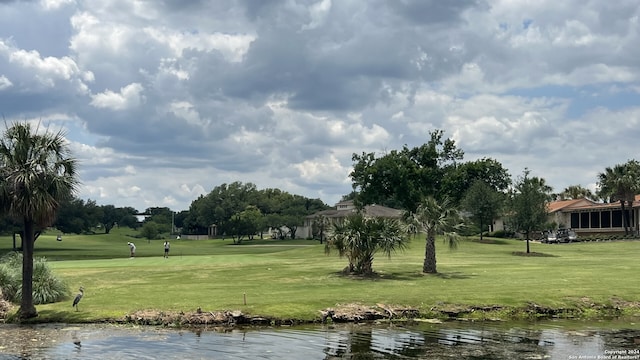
{"points": [[402, 179]]}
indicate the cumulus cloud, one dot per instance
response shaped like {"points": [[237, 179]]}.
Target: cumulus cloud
{"points": [[5, 83], [282, 93], [128, 97]]}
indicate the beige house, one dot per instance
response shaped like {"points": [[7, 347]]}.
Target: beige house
{"points": [[341, 211], [587, 217]]}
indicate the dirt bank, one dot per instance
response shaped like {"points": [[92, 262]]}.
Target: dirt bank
{"points": [[582, 308]]}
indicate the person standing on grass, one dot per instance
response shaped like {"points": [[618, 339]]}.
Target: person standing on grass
{"points": [[132, 248], [166, 249]]}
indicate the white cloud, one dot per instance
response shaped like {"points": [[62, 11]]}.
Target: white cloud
{"points": [[128, 97], [48, 69], [185, 110], [326, 170], [5, 83], [55, 4], [232, 46], [318, 13]]}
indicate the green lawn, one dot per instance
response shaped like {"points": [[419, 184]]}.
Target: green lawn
{"points": [[295, 279]]}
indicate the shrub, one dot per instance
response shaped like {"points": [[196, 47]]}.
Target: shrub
{"points": [[10, 275], [502, 234], [47, 288]]}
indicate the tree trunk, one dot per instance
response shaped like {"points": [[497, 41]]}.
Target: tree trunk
{"points": [[481, 230], [527, 236], [625, 220], [27, 309], [429, 266]]}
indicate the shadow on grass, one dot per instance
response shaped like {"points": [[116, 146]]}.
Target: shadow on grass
{"points": [[532, 254], [453, 275], [402, 276], [490, 241], [56, 316]]}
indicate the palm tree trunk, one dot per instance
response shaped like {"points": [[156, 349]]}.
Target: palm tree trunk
{"points": [[625, 221], [429, 266], [27, 309]]}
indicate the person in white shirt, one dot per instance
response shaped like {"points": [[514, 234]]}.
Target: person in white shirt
{"points": [[166, 249], [132, 248]]}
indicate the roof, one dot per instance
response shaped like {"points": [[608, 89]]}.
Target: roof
{"points": [[562, 204], [585, 204]]}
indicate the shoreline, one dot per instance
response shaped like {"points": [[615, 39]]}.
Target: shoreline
{"points": [[358, 313]]}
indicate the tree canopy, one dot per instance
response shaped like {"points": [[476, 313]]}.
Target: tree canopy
{"points": [[575, 192], [483, 203], [402, 179], [78, 216], [220, 206], [528, 205], [460, 177]]}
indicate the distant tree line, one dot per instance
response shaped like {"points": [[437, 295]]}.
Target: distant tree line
{"points": [[239, 210]]}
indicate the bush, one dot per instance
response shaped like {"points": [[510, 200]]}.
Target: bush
{"points": [[10, 276], [469, 230], [150, 230], [502, 234], [47, 288]]}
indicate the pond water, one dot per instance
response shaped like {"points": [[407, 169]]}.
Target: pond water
{"points": [[455, 340]]}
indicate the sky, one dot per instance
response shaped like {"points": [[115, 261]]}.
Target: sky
{"points": [[163, 100]]}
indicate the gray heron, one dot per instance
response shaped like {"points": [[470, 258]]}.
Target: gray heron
{"points": [[78, 298]]}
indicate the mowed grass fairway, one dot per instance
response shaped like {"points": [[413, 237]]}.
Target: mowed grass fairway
{"points": [[294, 279]]}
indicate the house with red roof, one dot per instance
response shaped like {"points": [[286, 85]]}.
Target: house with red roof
{"points": [[588, 217]]}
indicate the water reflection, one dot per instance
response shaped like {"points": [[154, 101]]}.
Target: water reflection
{"points": [[418, 341]]}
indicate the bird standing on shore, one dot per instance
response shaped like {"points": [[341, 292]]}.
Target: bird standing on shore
{"points": [[78, 298]]}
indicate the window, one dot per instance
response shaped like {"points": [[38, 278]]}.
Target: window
{"points": [[595, 219], [575, 220], [605, 219], [584, 220], [616, 218]]}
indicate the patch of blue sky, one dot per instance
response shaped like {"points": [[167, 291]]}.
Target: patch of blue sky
{"points": [[582, 99], [76, 132]]}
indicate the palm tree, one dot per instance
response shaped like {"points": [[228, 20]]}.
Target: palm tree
{"points": [[432, 218], [620, 183], [575, 192], [37, 172], [359, 238]]}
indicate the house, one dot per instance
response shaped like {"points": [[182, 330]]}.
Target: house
{"points": [[342, 210], [587, 217]]}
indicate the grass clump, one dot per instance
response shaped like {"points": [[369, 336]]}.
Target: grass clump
{"points": [[47, 287]]}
